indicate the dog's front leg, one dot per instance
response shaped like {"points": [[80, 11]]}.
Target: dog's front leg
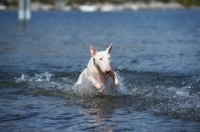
{"points": [[97, 85], [115, 80]]}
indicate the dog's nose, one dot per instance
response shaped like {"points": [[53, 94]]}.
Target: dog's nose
{"points": [[107, 71]]}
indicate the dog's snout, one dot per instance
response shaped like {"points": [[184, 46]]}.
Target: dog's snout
{"points": [[107, 71]]}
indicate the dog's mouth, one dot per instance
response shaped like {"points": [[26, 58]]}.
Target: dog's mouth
{"points": [[107, 72]]}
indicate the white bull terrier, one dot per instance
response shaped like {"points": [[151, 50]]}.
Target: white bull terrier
{"points": [[99, 70]]}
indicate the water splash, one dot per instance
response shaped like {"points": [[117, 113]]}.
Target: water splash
{"points": [[44, 77], [44, 81], [41, 81], [86, 88], [166, 98]]}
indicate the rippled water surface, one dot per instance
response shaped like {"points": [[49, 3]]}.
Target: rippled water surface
{"points": [[156, 55]]}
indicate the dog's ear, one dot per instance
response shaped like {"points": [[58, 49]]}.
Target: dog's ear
{"points": [[93, 51], [109, 49]]}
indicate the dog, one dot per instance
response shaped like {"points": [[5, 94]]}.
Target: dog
{"points": [[99, 70]]}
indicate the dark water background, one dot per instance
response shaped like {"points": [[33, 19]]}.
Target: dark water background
{"points": [[156, 55]]}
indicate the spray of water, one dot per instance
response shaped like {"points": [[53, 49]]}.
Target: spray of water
{"points": [[164, 99], [44, 81]]}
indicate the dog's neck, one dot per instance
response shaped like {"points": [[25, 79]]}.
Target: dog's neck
{"points": [[93, 67], [93, 60]]}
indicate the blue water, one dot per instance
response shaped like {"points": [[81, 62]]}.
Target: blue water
{"points": [[156, 55]]}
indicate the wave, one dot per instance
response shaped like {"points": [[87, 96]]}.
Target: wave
{"points": [[44, 81], [40, 81], [173, 96]]}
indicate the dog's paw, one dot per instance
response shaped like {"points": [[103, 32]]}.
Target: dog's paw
{"points": [[98, 86], [101, 90], [113, 86]]}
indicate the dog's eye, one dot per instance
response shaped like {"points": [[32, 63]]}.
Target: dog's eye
{"points": [[100, 58]]}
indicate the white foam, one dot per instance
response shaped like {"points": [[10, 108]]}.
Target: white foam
{"points": [[184, 91], [37, 78], [22, 78], [44, 81], [41, 81], [43, 77]]}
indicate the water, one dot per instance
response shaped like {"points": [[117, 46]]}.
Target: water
{"points": [[156, 55]]}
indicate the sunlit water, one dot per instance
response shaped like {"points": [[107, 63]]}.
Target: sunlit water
{"points": [[156, 55]]}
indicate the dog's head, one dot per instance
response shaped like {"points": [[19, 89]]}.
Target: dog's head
{"points": [[102, 59]]}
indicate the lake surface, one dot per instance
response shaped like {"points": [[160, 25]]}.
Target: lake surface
{"points": [[156, 54]]}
